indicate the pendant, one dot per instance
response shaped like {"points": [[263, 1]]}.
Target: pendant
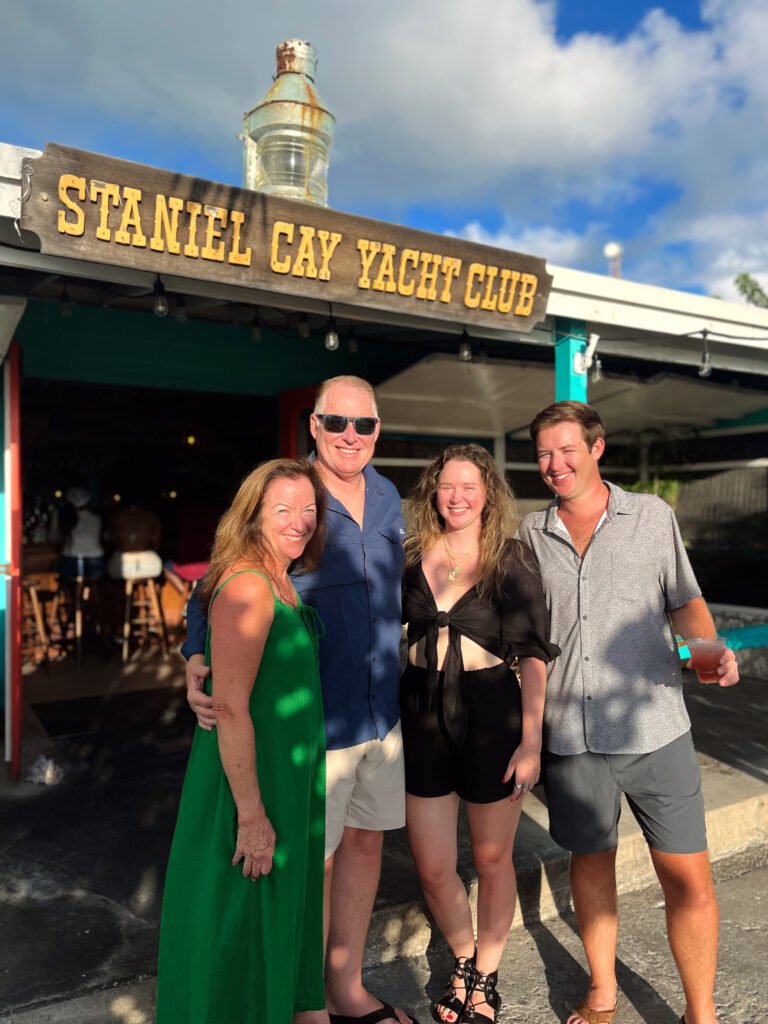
{"points": [[453, 573]]}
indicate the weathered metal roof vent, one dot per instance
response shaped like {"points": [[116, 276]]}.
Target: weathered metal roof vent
{"points": [[287, 137]]}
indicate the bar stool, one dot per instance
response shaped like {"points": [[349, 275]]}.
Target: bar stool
{"points": [[79, 598], [143, 619], [35, 638]]}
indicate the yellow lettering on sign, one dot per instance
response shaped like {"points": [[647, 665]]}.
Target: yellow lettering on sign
{"points": [[507, 287], [328, 242], [304, 265], [476, 273], [75, 227], [490, 298], [241, 259], [430, 264], [216, 215], [192, 249], [131, 219], [407, 257], [528, 285], [280, 266], [451, 268], [385, 279], [166, 225], [109, 194], [368, 252]]}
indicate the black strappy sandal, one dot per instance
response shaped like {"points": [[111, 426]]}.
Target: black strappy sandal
{"points": [[485, 983], [464, 971]]}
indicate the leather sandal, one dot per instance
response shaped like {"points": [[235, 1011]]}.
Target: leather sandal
{"points": [[595, 1016], [486, 984], [464, 971]]}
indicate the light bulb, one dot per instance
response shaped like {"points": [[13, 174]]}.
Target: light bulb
{"points": [[352, 344], [304, 329], [161, 300], [331, 337], [597, 371], [180, 312], [66, 304], [705, 366], [465, 351]]}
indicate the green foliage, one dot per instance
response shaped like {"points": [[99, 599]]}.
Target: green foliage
{"points": [[669, 490], [750, 290]]}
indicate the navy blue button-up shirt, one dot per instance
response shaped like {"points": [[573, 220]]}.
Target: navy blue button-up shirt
{"points": [[357, 592]]}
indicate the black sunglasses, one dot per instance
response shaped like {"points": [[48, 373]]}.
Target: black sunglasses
{"points": [[364, 425]]}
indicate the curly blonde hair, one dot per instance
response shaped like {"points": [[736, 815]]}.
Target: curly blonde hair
{"points": [[499, 518], [239, 535]]}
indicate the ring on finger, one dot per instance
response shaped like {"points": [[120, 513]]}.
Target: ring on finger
{"points": [[519, 785]]}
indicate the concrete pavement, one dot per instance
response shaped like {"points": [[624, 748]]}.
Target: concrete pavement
{"points": [[543, 970], [82, 865]]}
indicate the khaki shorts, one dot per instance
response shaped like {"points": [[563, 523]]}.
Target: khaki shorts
{"points": [[364, 788]]}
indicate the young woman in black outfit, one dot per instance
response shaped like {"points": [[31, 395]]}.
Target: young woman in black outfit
{"points": [[474, 605]]}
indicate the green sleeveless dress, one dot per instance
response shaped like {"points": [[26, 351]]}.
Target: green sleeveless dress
{"points": [[232, 950]]}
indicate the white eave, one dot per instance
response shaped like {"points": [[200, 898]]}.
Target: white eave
{"points": [[617, 303]]}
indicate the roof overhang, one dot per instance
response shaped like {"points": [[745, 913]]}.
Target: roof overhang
{"points": [[441, 396]]}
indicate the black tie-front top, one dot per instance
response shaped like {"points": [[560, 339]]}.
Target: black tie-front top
{"points": [[516, 625]]}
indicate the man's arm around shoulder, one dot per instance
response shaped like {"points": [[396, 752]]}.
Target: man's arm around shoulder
{"points": [[193, 649]]}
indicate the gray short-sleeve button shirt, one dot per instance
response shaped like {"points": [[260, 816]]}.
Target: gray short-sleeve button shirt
{"points": [[617, 686]]}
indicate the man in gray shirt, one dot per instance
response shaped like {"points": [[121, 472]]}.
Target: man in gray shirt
{"points": [[615, 571]]}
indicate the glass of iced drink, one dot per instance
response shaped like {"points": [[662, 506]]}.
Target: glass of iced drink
{"points": [[706, 653]]}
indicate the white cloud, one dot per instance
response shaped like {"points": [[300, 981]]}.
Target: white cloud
{"points": [[562, 248], [442, 103]]}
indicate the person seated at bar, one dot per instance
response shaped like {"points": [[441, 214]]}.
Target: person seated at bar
{"points": [[82, 553]]}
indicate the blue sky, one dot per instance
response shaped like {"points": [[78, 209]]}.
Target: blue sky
{"points": [[547, 127]]}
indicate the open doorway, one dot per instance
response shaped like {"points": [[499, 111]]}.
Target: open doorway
{"points": [[175, 458]]}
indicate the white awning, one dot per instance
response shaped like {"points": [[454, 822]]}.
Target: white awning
{"points": [[443, 396]]}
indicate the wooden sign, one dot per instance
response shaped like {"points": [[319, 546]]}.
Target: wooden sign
{"points": [[92, 207]]}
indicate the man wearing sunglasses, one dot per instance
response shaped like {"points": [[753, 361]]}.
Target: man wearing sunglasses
{"points": [[356, 590]]}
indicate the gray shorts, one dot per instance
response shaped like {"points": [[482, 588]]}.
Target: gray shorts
{"points": [[663, 790]]}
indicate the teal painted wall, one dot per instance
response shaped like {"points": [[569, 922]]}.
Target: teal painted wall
{"points": [[110, 346]]}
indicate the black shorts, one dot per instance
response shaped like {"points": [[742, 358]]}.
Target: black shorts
{"points": [[434, 764]]}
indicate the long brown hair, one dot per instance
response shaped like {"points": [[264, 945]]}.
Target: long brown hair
{"points": [[499, 518], [239, 535]]}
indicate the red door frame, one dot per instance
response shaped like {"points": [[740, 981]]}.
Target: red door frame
{"points": [[293, 402], [12, 412]]}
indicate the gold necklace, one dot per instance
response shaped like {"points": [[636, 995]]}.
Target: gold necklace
{"points": [[456, 560]]}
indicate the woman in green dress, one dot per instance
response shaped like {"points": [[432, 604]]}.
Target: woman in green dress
{"points": [[241, 934]]}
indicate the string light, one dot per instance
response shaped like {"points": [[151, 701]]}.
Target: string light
{"points": [[465, 348], [160, 306], [304, 329], [256, 332], [332, 336]]}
